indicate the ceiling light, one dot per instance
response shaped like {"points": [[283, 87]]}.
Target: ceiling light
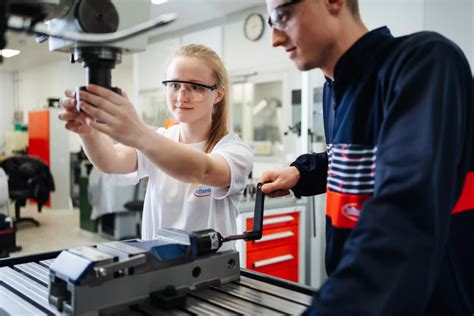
{"points": [[158, 1], [7, 53]]}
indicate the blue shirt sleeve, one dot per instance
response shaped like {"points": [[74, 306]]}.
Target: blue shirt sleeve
{"points": [[313, 170]]}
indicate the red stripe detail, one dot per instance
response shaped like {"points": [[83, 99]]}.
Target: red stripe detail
{"points": [[343, 154], [466, 199], [344, 209]]}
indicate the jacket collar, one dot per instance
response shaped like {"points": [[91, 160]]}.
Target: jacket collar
{"points": [[358, 57]]}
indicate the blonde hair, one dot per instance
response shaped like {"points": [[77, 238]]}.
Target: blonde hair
{"points": [[219, 125]]}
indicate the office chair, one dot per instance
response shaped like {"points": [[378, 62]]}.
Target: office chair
{"points": [[28, 178]]}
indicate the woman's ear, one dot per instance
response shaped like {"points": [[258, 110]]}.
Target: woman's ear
{"points": [[219, 95]]}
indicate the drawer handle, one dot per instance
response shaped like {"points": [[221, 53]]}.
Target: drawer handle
{"points": [[275, 236], [267, 262], [278, 220]]}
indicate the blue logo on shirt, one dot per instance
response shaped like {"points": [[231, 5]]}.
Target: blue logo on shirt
{"points": [[202, 192]]}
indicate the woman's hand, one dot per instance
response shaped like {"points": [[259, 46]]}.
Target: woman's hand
{"points": [[112, 114], [75, 121]]}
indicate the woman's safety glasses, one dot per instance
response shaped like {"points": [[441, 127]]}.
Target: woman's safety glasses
{"points": [[193, 91]]}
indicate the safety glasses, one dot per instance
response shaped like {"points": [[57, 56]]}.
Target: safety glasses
{"points": [[280, 15], [193, 91]]}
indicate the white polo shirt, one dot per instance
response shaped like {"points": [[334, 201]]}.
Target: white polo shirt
{"points": [[170, 203]]}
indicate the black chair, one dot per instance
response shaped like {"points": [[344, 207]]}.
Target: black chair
{"points": [[28, 178], [20, 197]]}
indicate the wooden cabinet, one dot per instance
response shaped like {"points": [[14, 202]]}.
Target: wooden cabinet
{"points": [[280, 251]]}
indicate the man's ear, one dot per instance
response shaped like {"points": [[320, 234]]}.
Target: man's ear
{"points": [[220, 95], [335, 6]]}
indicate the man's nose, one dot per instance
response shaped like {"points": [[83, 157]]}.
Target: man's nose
{"points": [[278, 37]]}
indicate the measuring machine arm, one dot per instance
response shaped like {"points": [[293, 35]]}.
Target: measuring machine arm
{"points": [[94, 32]]}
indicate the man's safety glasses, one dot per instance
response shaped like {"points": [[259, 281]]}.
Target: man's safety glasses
{"points": [[193, 91], [280, 15]]}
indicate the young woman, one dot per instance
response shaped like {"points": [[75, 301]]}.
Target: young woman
{"points": [[197, 169]]}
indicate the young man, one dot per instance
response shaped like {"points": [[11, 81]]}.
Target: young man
{"points": [[399, 166]]}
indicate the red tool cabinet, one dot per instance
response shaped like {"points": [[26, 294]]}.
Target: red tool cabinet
{"points": [[280, 251], [48, 140]]}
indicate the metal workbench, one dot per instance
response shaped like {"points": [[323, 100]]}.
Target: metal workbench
{"points": [[24, 291]]}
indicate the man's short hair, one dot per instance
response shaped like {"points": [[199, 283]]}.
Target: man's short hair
{"points": [[353, 6]]}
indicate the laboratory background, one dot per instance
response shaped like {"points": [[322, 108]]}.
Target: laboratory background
{"points": [[275, 109]]}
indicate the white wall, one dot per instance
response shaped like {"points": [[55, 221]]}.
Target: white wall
{"points": [[37, 84], [150, 65], [6, 105], [401, 16], [453, 19], [241, 54], [211, 37]]}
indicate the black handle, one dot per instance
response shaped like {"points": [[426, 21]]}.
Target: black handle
{"points": [[257, 228]]}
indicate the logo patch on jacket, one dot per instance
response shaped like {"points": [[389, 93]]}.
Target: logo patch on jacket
{"points": [[351, 211], [202, 192]]}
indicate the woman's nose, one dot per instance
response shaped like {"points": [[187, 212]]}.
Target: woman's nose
{"points": [[181, 95]]}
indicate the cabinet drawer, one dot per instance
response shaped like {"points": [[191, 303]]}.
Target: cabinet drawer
{"points": [[275, 237], [275, 221], [272, 259], [288, 273]]}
